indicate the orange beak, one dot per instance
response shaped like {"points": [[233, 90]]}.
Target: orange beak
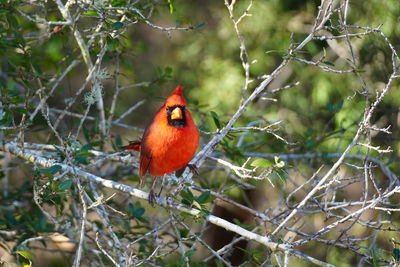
{"points": [[176, 114]]}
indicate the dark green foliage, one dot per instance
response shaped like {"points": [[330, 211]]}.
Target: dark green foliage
{"points": [[137, 212]]}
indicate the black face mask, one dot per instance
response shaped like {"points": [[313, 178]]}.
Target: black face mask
{"points": [[176, 122]]}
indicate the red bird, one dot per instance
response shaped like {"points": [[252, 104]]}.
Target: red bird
{"points": [[169, 141]]}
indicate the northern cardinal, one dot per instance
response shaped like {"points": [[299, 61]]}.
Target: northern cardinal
{"points": [[169, 141]]}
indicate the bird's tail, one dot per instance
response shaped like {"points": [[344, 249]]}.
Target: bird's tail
{"points": [[134, 145]]}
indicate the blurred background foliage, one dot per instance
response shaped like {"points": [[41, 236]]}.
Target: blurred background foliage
{"points": [[321, 114]]}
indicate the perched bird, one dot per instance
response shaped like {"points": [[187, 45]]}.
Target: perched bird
{"points": [[169, 141]]}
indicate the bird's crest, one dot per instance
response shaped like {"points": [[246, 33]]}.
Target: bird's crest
{"points": [[176, 98]]}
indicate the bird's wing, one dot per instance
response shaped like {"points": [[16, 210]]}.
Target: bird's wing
{"points": [[144, 163]]}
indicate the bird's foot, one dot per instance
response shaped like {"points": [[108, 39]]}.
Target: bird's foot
{"points": [[152, 197], [193, 168], [159, 193]]}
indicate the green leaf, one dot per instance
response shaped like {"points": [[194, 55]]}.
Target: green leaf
{"points": [[216, 119], [182, 20], [168, 72], [20, 39], [339, 106], [243, 225], [204, 197], [186, 201], [117, 25], [84, 154], [118, 3], [112, 43], [170, 6], [288, 56], [200, 25], [10, 84], [374, 261], [16, 99], [131, 209], [189, 253], [127, 226], [65, 185], [261, 162], [136, 211], [258, 255], [330, 107], [143, 219], [309, 132], [139, 212], [86, 147], [10, 218], [118, 141], [25, 254], [202, 128], [396, 254], [336, 108], [183, 233], [187, 197], [49, 172], [186, 215], [54, 169], [310, 143], [203, 213], [329, 63], [281, 175], [219, 263], [86, 134], [90, 14], [21, 110], [7, 117]]}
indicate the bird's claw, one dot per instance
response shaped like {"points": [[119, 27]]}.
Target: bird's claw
{"points": [[152, 197], [193, 168]]}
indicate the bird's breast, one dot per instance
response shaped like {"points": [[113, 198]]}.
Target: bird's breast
{"points": [[171, 148]]}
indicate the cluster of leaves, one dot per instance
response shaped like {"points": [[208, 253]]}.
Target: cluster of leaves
{"points": [[198, 202], [21, 219]]}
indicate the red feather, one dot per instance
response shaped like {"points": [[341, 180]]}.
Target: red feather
{"points": [[165, 148], [134, 145]]}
